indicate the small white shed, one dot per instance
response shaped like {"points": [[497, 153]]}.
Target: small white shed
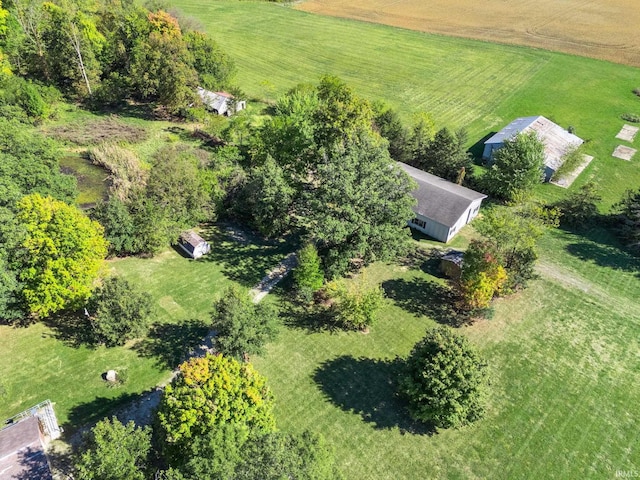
{"points": [[193, 244], [221, 103]]}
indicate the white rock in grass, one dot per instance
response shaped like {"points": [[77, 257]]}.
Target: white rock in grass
{"points": [[111, 376]]}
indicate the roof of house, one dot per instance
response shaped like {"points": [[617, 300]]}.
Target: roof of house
{"points": [[439, 199], [191, 239], [22, 453], [556, 139], [215, 100]]}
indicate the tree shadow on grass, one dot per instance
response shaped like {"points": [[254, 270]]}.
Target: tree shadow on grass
{"points": [[424, 298], [313, 318], [170, 343], [87, 414], [367, 387], [72, 328], [605, 256], [245, 259]]}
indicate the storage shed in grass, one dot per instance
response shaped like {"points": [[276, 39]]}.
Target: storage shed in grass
{"points": [[443, 207], [193, 244], [557, 141]]}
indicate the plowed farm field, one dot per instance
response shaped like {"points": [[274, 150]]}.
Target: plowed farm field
{"points": [[605, 29]]}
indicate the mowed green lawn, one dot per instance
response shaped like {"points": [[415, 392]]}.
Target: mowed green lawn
{"points": [[40, 361], [564, 362], [462, 83]]}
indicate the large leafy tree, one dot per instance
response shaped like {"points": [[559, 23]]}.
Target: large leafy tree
{"points": [[242, 327], [482, 275], [517, 168], [215, 68], [210, 392], [60, 256], [113, 451], [445, 380], [357, 205], [119, 311], [445, 155]]}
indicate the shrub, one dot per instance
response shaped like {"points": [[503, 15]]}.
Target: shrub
{"points": [[356, 305], [482, 276], [630, 117], [580, 208], [308, 275], [444, 380]]}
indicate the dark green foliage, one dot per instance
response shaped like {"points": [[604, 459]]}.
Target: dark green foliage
{"points": [[308, 275], [631, 117], [242, 327], [215, 68], [358, 206], [516, 169], [628, 219], [119, 312], [29, 164], [114, 451], [119, 227], [580, 208], [444, 380], [388, 123], [445, 155], [270, 199]]}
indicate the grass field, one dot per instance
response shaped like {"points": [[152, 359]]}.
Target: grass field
{"points": [[564, 362], [462, 83], [604, 29], [50, 361]]}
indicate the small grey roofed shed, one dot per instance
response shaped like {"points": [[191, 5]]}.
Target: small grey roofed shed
{"points": [[193, 244], [438, 199]]}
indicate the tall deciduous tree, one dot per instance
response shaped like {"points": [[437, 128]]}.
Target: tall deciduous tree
{"points": [[215, 68], [357, 205], [241, 326], [517, 168], [482, 276], [208, 393], [114, 451], [119, 311], [445, 155], [63, 252], [445, 380], [308, 274]]}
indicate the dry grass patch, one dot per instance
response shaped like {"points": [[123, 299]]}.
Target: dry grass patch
{"points": [[123, 165], [94, 132], [604, 29]]}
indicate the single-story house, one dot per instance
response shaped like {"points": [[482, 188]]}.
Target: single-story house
{"points": [[221, 103], [557, 141], [22, 452], [193, 244], [443, 207]]}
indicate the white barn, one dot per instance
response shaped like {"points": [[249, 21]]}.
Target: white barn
{"points": [[557, 141], [221, 103], [443, 207], [193, 244]]}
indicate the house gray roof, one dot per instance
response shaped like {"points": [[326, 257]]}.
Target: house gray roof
{"points": [[557, 141], [21, 452], [438, 199]]}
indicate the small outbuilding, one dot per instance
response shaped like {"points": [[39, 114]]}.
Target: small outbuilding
{"points": [[557, 141], [221, 103], [443, 207], [451, 263], [193, 244]]}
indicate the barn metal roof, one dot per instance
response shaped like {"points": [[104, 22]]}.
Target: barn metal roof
{"points": [[438, 199], [557, 141]]}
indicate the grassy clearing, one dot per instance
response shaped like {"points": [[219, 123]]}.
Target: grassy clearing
{"points": [[564, 367], [46, 361], [600, 29], [478, 85]]}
